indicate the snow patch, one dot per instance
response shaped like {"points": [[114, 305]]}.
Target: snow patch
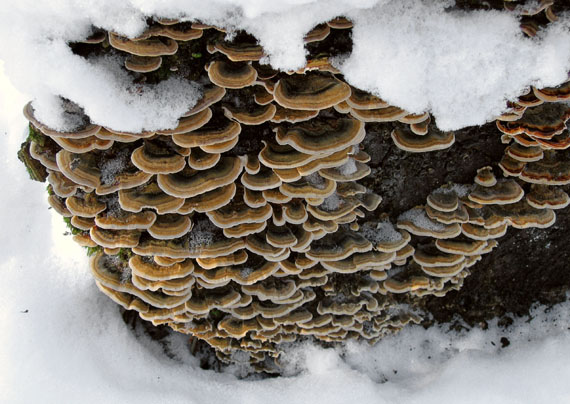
{"points": [[420, 219], [380, 232]]}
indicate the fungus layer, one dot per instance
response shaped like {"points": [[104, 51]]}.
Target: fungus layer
{"points": [[249, 225]]}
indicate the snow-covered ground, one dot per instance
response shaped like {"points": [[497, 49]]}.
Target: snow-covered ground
{"points": [[61, 341]]}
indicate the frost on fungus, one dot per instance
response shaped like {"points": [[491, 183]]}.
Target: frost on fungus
{"points": [[246, 225]]}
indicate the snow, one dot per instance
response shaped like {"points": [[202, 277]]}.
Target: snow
{"points": [[348, 168], [382, 231], [61, 340], [460, 66], [331, 203], [420, 219]]}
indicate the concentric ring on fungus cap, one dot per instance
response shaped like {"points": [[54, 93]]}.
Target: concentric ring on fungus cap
{"points": [[188, 182], [231, 74], [144, 47], [324, 136], [310, 92]]}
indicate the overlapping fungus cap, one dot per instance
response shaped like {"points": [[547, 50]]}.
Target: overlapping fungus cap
{"points": [[189, 123], [240, 50], [85, 205], [170, 226], [253, 199], [386, 114], [204, 241], [231, 74], [322, 136], [237, 212], [351, 170], [529, 99], [503, 192], [254, 115], [485, 177], [210, 95], [188, 182], [236, 258], [333, 207], [543, 196], [200, 160], [115, 238], [79, 168], [147, 269], [421, 128], [463, 247], [318, 33], [202, 302], [151, 196], [340, 23], [285, 157], [525, 154], [553, 94], [445, 272], [117, 172], [430, 256], [418, 223], [82, 223], [337, 246], [311, 186], [118, 219], [264, 179], [171, 29], [310, 91], [521, 215], [61, 185], [363, 100], [510, 166], [153, 46], [84, 127], [156, 157], [219, 130], [262, 97], [551, 170], [172, 287], [481, 233], [459, 215], [275, 196], [434, 140], [83, 145], [44, 154], [142, 64], [383, 236], [360, 261], [208, 201], [325, 161], [542, 121], [446, 198]]}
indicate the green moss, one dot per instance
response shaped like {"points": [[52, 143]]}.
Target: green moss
{"points": [[125, 254], [72, 229], [196, 55], [93, 250], [36, 136]]}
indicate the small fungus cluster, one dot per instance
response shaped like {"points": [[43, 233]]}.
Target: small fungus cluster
{"points": [[245, 226]]}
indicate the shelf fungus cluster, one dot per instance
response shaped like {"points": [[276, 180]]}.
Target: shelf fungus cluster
{"points": [[246, 226]]}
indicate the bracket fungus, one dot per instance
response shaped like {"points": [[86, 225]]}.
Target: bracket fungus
{"points": [[251, 224]]}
